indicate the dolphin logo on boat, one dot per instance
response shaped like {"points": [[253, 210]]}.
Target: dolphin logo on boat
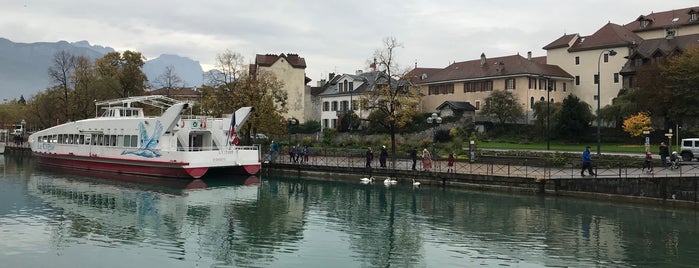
{"points": [[148, 142]]}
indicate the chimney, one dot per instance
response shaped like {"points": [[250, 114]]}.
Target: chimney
{"points": [[482, 59], [330, 76], [529, 55]]}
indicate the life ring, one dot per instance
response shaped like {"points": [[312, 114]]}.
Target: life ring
{"points": [[195, 124], [203, 123], [235, 140]]}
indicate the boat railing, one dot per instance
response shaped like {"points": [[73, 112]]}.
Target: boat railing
{"points": [[214, 148]]}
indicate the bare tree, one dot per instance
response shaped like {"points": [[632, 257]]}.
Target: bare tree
{"points": [[229, 67], [395, 98], [169, 80], [60, 73]]}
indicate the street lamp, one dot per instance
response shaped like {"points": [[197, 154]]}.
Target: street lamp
{"points": [[599, 81], [548, 113], [292, 122], [434, 120]]}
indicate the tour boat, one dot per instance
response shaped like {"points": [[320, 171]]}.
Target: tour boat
{"points": [[124, 140]]}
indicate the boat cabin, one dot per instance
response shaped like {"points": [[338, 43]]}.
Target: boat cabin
{"points": [[122, 112]]}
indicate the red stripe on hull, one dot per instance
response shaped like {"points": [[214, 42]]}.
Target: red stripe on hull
{"points": [[160, 169]]}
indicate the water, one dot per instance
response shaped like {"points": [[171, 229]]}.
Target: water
{"points": [[52, 218]]}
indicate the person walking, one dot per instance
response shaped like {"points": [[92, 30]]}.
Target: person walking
{"points": [[587, 162], [413, 156], [369, 156], [299, 154], [664, 152], [450, 163], [382, 156], [426, 160], [274, 151], [292, 152], [306, 153], [648, 163]]}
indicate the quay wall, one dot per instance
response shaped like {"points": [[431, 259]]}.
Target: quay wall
{"points": [[669, 191]]}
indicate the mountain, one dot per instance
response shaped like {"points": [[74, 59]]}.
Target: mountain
{"points": [[24, 66], [188, 70]]}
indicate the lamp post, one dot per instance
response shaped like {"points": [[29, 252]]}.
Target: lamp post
{"points": [[292, 122], [599, 82], [548, 113], [434, 120]]}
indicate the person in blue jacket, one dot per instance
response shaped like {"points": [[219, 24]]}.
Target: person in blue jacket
{"points": [[587, 162]]}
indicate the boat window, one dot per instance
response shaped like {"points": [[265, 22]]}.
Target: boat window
{"points": [[134, 141], [113, 140], [81, 139], [54, 138]]}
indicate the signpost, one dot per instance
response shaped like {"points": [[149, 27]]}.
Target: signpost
{"points": [[646, 132]]}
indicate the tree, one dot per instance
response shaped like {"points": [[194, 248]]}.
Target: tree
{"points": [[395, 97], [60, 73], [169, 80], [574, 119], [624, 105], [540, 108], [229, 66], [238, 88], [503, 106], [636, 124], [121, 73], [682, 74]]}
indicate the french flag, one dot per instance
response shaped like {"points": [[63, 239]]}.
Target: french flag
{"points": [[232, 125]]}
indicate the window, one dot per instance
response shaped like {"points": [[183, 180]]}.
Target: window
{"points": [[478, 105], [638, 62], [577, 80], [596, 79], [565, 86], [333, 123], [339, 87], [346, 85], [616, 77], [577, 60], [542, 82], [351, 86], [345, 106], [510, 83], [325, 123], [334, 108], [606, 57], [532, 83], [552, 85], [326, 106], [531, 103], [595, 97]]}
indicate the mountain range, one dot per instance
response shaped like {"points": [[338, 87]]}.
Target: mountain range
{"points": [[24, 66]]}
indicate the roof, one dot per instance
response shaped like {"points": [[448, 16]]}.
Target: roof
{"points": [[457, 106], [420, 73], [563, 41], [610, 35], [369, 82], [493, 68], [663, 47], [665, 19], [268, 59]]}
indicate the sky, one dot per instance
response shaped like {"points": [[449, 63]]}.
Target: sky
{"points": [[333, 36]]}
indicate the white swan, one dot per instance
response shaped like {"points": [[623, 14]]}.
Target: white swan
{"points": [[389, 181], [366, 180], [415, 183]]}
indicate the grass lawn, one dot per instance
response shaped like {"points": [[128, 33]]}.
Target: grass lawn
{"points": [[618, 148]]}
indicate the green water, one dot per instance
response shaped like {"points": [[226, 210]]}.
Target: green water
{"points": [[60, 218]]}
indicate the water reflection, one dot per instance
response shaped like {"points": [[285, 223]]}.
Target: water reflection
{"points": [[316, 222]]}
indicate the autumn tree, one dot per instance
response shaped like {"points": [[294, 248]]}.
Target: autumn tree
{"points": [[236, 88], [502, 105], [682, 79], [395, 97], [122, 73], [636, 124]]}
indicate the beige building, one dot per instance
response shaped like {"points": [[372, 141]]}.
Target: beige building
{"points": [[473, 81], [290, 69], [585, 56]]}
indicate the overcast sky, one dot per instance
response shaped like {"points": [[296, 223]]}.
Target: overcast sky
{"points": [[333, 36]]}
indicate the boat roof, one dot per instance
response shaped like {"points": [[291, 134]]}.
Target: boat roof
{"points": [[159, 101]]}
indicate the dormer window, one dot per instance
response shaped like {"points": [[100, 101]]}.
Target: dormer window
{"points": [[693, 15], [644, 23]]}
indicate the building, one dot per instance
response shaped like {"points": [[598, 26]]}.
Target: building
{"points": [[290, 69], [585, 56], [474, 80], [340, 91]]}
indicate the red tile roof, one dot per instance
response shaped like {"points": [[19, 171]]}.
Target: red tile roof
{"points": [[610, 35], [562, 41], [268, 59], [665, 19], [495, 67]]}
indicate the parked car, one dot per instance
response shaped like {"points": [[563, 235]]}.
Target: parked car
{"points": [[689, 149], [259, 136]]}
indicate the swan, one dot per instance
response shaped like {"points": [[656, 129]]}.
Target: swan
{"points": [[367, 180], [415, 183], [390, 180]]}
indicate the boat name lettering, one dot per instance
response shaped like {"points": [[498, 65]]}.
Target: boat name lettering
{"points": [[46, 146], [219, 159]]}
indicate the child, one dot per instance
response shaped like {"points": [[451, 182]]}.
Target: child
{"points": [[450, 163], [648, 163]]}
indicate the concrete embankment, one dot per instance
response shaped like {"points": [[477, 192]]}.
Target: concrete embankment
{"points": [[669, 189]]}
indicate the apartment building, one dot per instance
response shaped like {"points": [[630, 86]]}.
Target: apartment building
{"points": [[290, 69], [474, 80]]}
